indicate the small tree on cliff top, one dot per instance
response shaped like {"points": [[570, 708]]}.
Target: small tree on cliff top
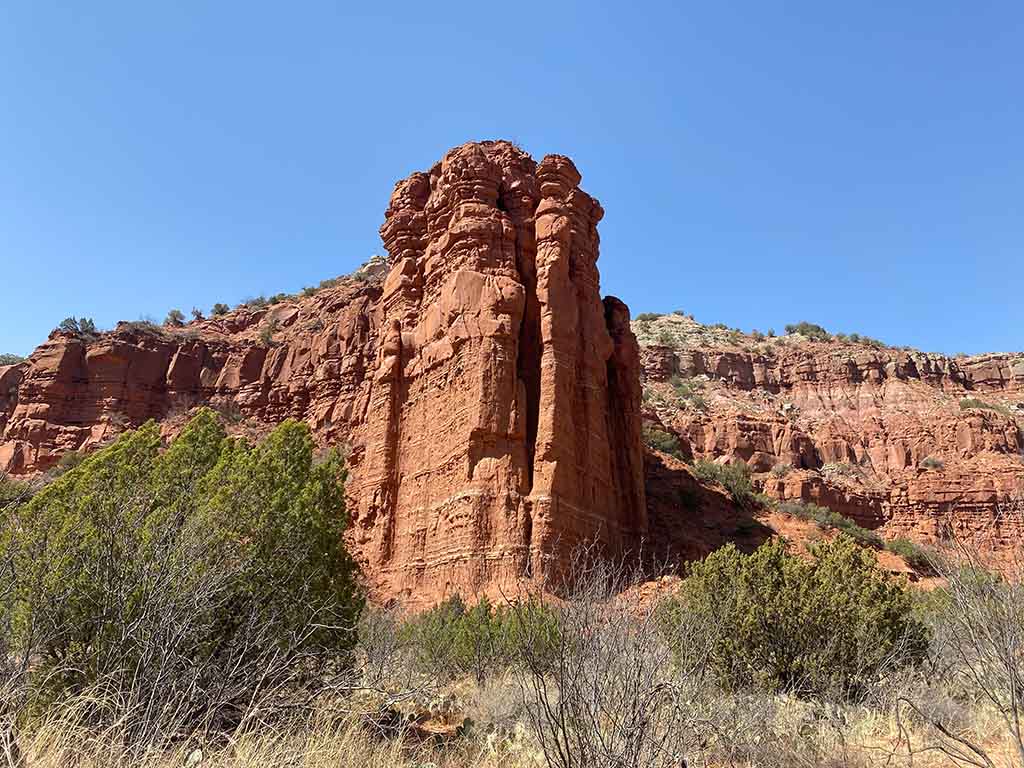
{"points": [[175, 318], [82, 326]]}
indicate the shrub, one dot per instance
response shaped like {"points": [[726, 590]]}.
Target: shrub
{"points": [[771, 333], [833, 625], [735, 478], [175, 318], [83, 326], [930, 462], [613, 696], [980, 652], [13, 492], [187, 583], [916, 556], [66, 463], [828, 520], [140, 326], [757, 335], [781, 470], [197, 314], [665, 339], [810, 331], [220, 309], [688, 391], [646, 317], [660, 440], [308, 291], [267, 331], [9, 359], [842, 468], [330, 283], [453, 640]]}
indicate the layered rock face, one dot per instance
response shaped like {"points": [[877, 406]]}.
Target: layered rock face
{"points": [[489, 398], [916, 444]]}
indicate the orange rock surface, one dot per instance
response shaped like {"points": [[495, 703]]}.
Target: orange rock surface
{"points": [[914, 444], [488, 397]]}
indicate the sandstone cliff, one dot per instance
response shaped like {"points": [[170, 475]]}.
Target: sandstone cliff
{"points": [[487, 395], [490, 401], [913, 444]]}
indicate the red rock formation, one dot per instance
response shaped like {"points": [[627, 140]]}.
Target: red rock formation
{"points": [[888, 437], [491, 405], [489, 398]]}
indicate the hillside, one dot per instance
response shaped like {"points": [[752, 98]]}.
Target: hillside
{"points": [[492, 403], [913, 444]]}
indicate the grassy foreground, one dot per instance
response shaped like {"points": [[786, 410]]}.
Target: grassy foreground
{"points": [[796, 734], [193, 604]]}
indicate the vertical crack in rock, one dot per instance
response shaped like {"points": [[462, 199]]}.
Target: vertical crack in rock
{"points": [[521, 209]]}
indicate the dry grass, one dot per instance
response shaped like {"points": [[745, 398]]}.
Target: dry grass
{"points": [[794, 734], [325, 740]]}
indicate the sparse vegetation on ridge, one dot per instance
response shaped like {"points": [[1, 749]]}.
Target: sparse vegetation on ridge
{"points": [[735, 478], [827, 519], [689, 392], [666, 330], [9, 359], [811, 331], [257, 302], [660, 440], [968, 403], [145, 325], [267, 331], [917, 557], [82, 326]]}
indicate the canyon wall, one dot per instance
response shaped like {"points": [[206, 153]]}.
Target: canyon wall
{"points": [[488, 398], [490, 401], [911, 443]]}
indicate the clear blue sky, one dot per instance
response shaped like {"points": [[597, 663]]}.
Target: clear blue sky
{"points": [[859, 165]]}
